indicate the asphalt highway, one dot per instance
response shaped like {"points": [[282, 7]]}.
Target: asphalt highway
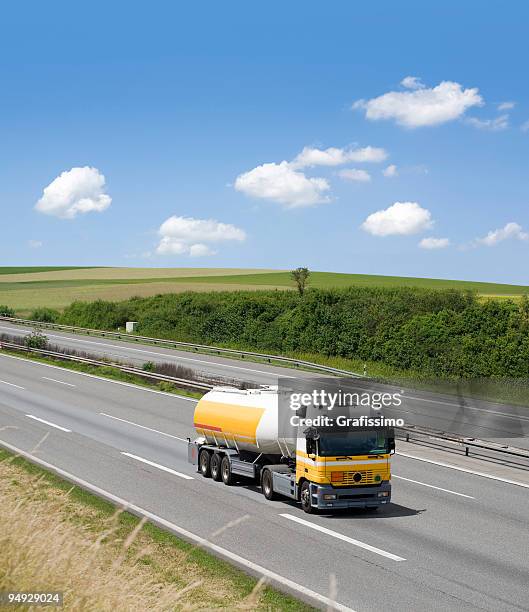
{"points": [[450, 540], [508, 424]]}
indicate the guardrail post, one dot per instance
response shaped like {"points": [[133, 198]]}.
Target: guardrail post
{"points": [[466, 451]]}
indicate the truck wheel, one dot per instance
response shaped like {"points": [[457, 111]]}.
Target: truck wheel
{"points": [[225, 470], [216, 460], [304, 497], [204, 463], [267, 485]]}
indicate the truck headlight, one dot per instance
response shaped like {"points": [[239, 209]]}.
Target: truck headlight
{"points": [[336, 476], [329, 496], [383, 493]]}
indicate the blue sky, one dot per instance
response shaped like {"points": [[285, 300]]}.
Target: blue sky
{"points": [[177, 105]]}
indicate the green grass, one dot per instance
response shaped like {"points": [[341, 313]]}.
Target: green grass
{"points": [[327, 280], [99, 513]]}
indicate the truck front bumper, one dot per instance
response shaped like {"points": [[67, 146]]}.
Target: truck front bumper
{"points": [[326, 496]]}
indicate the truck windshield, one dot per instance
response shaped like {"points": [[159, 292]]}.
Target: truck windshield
{"points": [[353, 443]]}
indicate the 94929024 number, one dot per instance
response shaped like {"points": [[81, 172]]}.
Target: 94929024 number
{"points": [[31, 598]]}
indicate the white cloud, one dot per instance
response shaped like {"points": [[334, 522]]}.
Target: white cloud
{"points": [[34, 244], [422, 107], [411, 82], [334, 156], [287, 183], [434, 243], [503, 106], [73, 192], [494, 125], [200, 250], [402, 218], [391, 171], [282, 183], [187, 236], [525, 126], [511, 230], [352, 174]]}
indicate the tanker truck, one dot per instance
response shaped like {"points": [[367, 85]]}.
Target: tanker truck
{"points": [[239, 438]]}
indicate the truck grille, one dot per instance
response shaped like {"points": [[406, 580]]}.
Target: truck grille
{"points": [[368, 477]]}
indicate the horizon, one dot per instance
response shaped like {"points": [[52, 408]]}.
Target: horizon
{"points": [[248, 271]]}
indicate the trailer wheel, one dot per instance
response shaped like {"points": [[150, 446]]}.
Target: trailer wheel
{"points": [[304, 498], [267, 485], [215, 466], [204, 463], [225, 470]]}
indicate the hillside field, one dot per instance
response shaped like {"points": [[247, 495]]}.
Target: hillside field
{"points": [[24, 289]]}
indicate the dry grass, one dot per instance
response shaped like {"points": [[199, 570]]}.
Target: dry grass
{"points": [[51, 541], [26, 300], [126, 273]]}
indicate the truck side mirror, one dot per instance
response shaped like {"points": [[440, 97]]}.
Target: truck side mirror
{"points": [[391, 445], [311, 446]]}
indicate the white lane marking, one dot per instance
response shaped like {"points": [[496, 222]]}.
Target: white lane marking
{"points": [[465, 406], [157, 465], [4, 382], [460, 469], [115, 382], [166, 355], [61, 382], [162, 433], [241, 562], [424, 484], [31, 416], [345, 538]]}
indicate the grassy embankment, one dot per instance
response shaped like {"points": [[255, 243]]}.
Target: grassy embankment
{"points": [[57, 536], [25, 289], [109, 372]]}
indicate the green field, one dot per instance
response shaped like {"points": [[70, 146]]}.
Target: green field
{"points": [[24, 289]]}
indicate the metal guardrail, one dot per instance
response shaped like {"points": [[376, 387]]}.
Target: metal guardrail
{"points": [[185, 345], [415, 434], [191, 384]]}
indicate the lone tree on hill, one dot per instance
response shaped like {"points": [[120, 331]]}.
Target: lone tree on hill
{"points": [[301, 277]]}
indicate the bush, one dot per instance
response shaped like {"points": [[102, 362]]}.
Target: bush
{"points": [[5, 311], [442, 333], [98, 314], [36, 340], [45, 315]]}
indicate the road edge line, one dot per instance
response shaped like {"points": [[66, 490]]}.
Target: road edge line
{"points": [[249, 567]]}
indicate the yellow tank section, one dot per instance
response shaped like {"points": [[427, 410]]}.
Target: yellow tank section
{"points": [[336, 472], [218, 421]]}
